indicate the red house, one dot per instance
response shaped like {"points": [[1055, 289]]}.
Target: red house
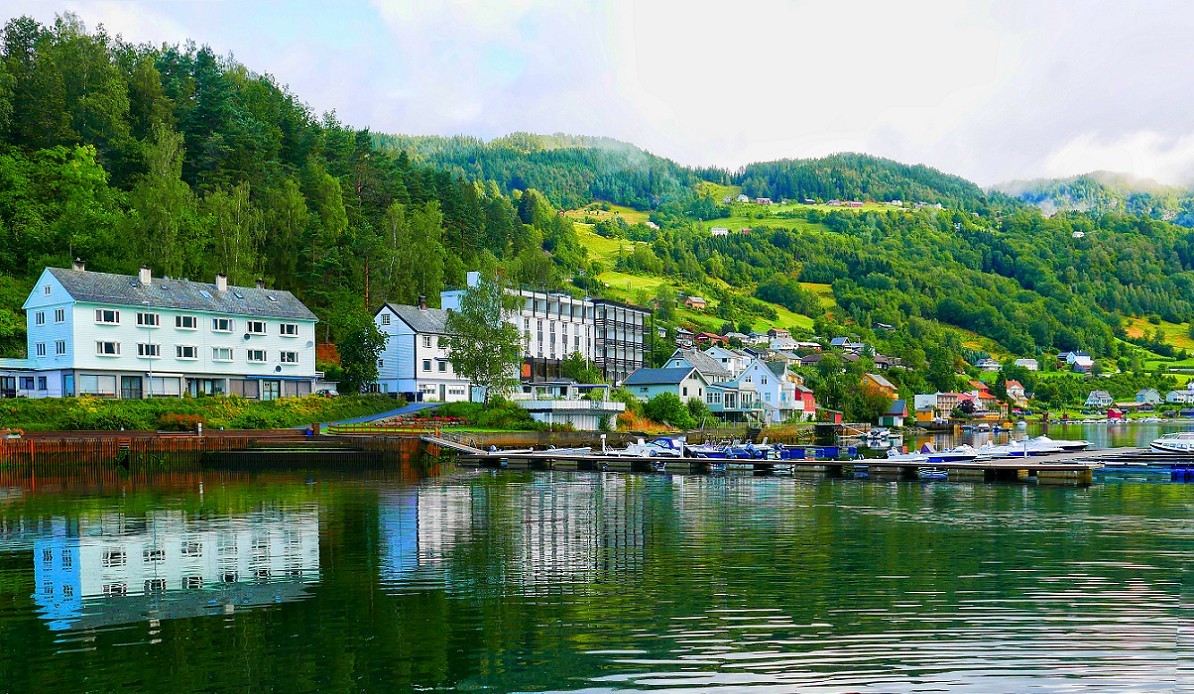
{"points": [[711, 339]]}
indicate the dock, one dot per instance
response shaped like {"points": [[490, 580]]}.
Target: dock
{"points": [[1061, 468]]}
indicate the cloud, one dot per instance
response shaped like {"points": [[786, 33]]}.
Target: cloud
{"points": [[1143, 154]]}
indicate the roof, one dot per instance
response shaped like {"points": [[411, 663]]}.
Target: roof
{"points": [[778, 368], [695, 298], [897, 407], [707, 365], [1012, 383], [421, 320], [880, 381], [127, 290], [651, 377]]}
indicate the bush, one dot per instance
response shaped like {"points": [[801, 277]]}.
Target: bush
{"points": [[179, 422], [461, 410], [667, 407]]}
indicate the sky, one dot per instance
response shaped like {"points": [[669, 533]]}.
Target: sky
{"points": [[992, 91]]}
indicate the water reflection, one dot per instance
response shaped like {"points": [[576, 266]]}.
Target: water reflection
{"points": [[111, 568], [549, 534]]}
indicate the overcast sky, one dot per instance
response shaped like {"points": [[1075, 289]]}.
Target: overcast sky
{"points": [[988, 90]]}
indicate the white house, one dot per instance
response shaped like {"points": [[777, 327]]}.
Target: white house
{"points": [[989, 364], [415, 359], [1080, 361], [1180, 397], [137, 336], [1029, 364], [731, 359], [719, 231], [566, 402], [1099, 399], [685, 382]]}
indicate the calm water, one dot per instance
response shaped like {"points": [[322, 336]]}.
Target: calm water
{"points": [[1100, 435], [513, 581]]}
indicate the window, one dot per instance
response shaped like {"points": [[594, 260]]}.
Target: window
{"points": [[26, 383], [115, 589], [107, 349], [289, 357], [427, 341], [149, 320], [764, 380], [39, 318], [186, 322], [59, 315], [381, 363], [149, 350], [67, 559], [114, 557], [68, 591], [186, 351], [60, 347], [288, 330], [192, 549], [46, 290], [41, 383], [443, 366], [221, 354], [107, 316], [255, 327], [153, 554], [385, 319], [427, 365], [257, 356], [155, 585], [192, 582], [221, 325], [40, 348]]}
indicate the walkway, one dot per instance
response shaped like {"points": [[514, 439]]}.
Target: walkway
{"points": [[409, 409]]}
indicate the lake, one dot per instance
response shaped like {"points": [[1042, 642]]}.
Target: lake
{"points": [[505, 581]]}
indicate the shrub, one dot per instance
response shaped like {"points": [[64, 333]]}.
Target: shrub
{"points": [[667, 407], [462, 410], [179, 422]]}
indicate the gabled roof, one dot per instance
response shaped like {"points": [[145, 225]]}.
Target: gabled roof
{"points": [[127, 290], [657, 377], [778, 368], [707, 365], [421, 320], [880, 381], [897, 408]]}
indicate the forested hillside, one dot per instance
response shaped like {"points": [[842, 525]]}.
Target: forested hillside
{"points": [[858, 177], [569, 170], [193, 164], [1101, 192]]}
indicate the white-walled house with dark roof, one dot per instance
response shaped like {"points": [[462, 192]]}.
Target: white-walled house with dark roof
{"points": [[137, 336], [415, 359]]}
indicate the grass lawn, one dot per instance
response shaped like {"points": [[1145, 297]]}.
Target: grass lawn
{"points": [[717, 191], [1176, 334], [824, 292], [594, 211], [600, 247], [625, 286]]}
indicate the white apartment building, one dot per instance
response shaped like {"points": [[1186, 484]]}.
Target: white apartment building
{"points": [[137, 336], [415, 360]]}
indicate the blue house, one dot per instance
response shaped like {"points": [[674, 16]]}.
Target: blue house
{"points": [[685, 382]]}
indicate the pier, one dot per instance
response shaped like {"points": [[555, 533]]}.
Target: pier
{"points": [[1062, 468]]}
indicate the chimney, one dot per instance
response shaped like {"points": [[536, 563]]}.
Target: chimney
{"points": [[221, 282], [145, 276], [422, 302], [260, 283], [78, 265]]}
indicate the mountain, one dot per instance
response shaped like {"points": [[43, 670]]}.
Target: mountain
{"points": [[570, 170], [1100, 192], [194, 164], [858, 177]]}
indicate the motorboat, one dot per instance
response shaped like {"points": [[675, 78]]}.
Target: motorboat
{"points": [[709, 450], [576, 450], [932, 473], [1067, 446], [662, 447], [1018, 449], [878, 434], [956, 454], [1021, 424], [894, 456], [1178, 442]]}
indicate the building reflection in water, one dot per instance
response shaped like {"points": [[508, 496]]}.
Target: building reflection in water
{"points": [[534, 536], [112, 569]]}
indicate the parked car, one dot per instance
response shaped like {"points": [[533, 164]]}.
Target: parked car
{"points": [[326, 392]]}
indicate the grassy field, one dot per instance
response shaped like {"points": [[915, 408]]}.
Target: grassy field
{"points": [[600, 247], [84, 413], [824, 292], [717, 191], [595, 212], [1176, 334]]}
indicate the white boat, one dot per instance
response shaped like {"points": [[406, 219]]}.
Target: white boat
{"points": [[577, 450], [1019, 449], [1067, 446], [1178, 442], [894, 456], [878, 434], [1021, 424], [959, 453]]}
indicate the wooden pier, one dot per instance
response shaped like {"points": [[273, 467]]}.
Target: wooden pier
{"points": [[1071, 468]]}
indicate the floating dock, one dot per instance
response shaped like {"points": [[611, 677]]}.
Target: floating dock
{"points": [[1063, 468]]}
